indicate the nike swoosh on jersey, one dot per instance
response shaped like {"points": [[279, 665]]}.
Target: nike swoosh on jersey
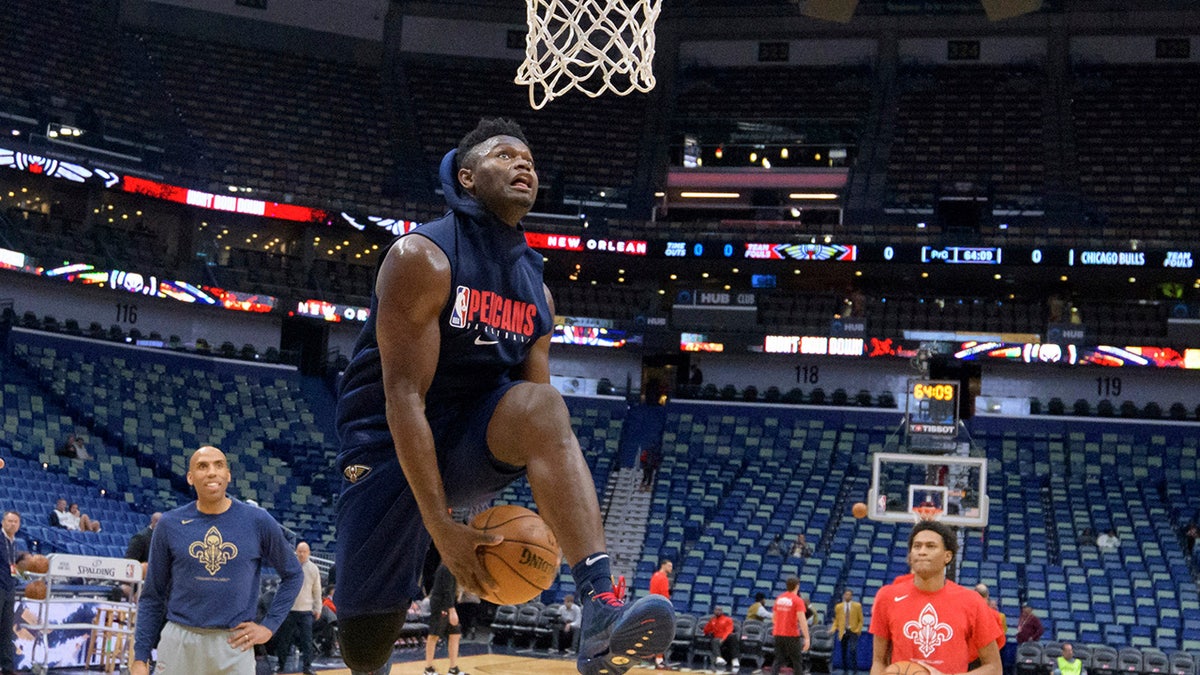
{"points": [[480, 341], [595, 559], [185, 521], [898, 598]]}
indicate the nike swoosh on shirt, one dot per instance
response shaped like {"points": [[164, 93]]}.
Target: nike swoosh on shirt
{"points": [[185, 521], [480, 341], [898, 598], [595, 559]]}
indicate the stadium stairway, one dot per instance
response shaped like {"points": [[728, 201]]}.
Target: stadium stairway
{"points": [[626, 511]]}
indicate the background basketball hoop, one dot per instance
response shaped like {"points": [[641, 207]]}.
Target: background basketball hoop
{"points": [[590, 45], [927, 512]]}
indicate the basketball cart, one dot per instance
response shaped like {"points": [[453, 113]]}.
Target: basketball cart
{"points": [[110, 632]]}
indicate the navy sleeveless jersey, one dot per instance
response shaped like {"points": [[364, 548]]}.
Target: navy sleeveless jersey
{"points": [[496, 311]]}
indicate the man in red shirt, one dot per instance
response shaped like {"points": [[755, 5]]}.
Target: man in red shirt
{"points": [[660, 584], [790, 622], [724, 639], [929, 619]]}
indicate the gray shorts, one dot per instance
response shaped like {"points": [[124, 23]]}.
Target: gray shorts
{"points": [[183, 650]]}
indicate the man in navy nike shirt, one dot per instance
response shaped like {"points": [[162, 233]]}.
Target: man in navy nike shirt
{"points": [[447, 399], [201, 592]]}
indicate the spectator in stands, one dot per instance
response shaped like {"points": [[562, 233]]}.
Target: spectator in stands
{"points": [[758, 611], [139, 544], [206, 559], [726, 644], [1087, 537], [297, 628], [651, 459], [570, 615], [1029, 626], [800, 547], [61, 515], [443, 620], [776, 545], [697, 377], [1108, 542], [73, 448], [848, 624], [1190, 534], [787, 629], [10, 524], [443, 406], [1067, 664], [954, 624], [84, 521]]}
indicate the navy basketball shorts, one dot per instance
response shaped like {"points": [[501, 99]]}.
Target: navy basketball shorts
{"points": [[381, 539]]}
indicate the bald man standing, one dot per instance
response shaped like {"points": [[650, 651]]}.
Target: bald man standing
{"points": [[297, 629], [201, 591]]}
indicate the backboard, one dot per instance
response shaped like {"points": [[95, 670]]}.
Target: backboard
{"points": [[905, 488]]}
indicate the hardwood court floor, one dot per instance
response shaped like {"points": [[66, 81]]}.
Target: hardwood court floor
{"points": [[488, 664]]}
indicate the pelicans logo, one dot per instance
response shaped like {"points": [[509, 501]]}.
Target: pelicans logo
{"points": [[927, 633], [213, 552]]}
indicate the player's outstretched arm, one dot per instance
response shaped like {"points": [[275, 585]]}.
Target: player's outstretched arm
{"points": [[413, 286]]}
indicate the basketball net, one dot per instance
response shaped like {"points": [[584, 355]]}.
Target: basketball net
{"points": [[926, 513], [589, 45]]}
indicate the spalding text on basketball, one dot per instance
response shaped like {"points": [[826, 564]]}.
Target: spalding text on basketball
{"points": [[535, 561]]}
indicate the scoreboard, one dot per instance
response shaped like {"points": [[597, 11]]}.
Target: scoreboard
{"points": [[846, 252], [933, 407]]}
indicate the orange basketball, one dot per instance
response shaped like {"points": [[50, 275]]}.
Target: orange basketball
{"points": [[859, 510], [526, 562], [36, 590], [36, 563], [906, 668]]}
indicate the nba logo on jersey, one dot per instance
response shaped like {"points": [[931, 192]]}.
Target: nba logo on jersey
{"points": [[458, 315]]}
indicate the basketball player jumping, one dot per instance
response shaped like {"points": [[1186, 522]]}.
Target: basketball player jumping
{"points": [[927, 618], [447, 399]]}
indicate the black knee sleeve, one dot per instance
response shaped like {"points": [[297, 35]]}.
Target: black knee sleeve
{"points": [[367, 641]]}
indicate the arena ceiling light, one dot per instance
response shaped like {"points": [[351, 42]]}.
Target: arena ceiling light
{"points": [[826, 196], [710, 195], [63, 130]]}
